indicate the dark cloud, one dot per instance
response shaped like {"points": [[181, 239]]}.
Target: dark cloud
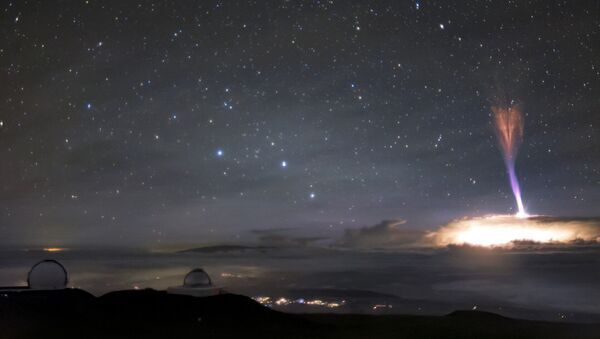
{"points": [[284, 237], [273, 230], [386, 234], [281, 240]]}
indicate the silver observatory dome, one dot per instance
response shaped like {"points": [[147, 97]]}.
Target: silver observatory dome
{"points": [[47, 275], [197, 278]]}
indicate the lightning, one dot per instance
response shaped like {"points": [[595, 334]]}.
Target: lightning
{"points": [[508, 230], [508, 121]]}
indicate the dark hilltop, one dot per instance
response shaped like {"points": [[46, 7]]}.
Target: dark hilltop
{"points": [[74, 313]]}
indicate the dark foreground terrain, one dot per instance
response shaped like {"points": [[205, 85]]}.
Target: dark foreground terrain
{"points": [[74, 313]]}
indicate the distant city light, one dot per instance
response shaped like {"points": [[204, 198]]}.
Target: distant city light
{"points": [[282, 301]]}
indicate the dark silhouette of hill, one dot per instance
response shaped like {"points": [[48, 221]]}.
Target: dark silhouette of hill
{"points": [[480, 315], [73, 313]]}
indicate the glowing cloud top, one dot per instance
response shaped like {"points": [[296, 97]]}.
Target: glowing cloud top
{"points": [[505, 230], [509, 128]]}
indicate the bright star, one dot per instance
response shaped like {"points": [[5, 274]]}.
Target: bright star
{"points": [[284, 164], [219, 153]]}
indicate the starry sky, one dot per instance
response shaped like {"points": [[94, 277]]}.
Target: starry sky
{"points": [[145, 123]]}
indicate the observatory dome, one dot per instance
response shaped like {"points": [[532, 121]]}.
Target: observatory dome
{"points": [[197, 278], [197, 283], [47, 275]]}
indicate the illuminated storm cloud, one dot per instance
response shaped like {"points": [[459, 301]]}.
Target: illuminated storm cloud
{"points": [[506, 230]]}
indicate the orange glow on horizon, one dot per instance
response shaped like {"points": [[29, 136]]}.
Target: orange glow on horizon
{"points": [[54, 249]]}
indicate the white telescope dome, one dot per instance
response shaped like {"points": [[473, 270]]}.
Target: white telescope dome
{"points": [[47, 275], [197, 283], [197, 278]]}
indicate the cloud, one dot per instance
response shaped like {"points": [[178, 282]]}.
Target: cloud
{"points": [[275, 237], [274, 230], [386, 234], [508, 230], [280, 240]]}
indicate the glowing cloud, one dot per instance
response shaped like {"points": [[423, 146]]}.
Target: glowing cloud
{"points": [[506, 230], [509, 128], [54, 249]]}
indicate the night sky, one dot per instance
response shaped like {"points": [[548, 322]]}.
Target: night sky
{"points": [[144, 123]]}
